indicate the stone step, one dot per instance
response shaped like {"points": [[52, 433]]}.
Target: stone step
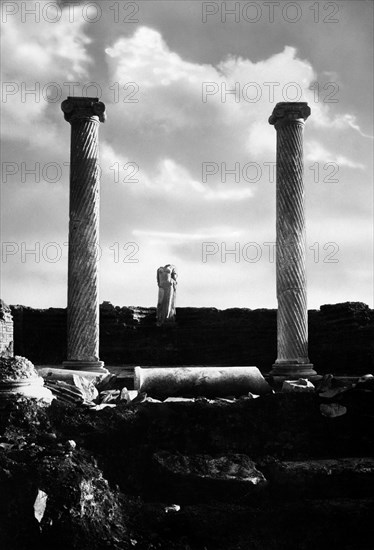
{"points": [[344, 524], [342, 477], [236, 478]]}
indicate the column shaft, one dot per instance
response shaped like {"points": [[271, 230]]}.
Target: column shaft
{"points": [[83, 268], [292, 318], [83, 272]]}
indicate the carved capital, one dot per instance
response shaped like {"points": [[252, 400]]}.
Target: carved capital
{"points": [[83, 108], [290, 112]]}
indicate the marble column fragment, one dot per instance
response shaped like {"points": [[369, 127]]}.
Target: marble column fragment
{"points": [[84, 115], [292, 318]]}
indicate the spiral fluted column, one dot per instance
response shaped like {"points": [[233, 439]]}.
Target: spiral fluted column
{"points": [[84, 115], [292, 317]]}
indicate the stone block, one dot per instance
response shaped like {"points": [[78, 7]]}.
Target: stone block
{"points": [[225, 477], [300, 385]]}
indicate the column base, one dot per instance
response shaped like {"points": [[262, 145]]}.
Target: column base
{"points": [[90, 366], [292, 371]]}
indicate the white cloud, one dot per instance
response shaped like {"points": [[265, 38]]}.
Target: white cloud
{"points": [[323, 119], [350, 120], [316, 152], [171, 101], [170, 179], [208, 233], [37, 58], [169, 132]]}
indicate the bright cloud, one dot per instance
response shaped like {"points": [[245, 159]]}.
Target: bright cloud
{"points": [[231, 101], [152, 151], [315, 152], [36, 60]]}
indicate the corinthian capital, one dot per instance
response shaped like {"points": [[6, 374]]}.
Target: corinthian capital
{"points": [[83, 108], [286, 112]]}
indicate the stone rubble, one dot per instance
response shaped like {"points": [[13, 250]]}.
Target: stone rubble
{"points": [[66, 392], [325, 383], [232, 472], [300, 385], [109, 396], [40, 505], [333, 392], [107, 392], [332, 410], [187, 453]]}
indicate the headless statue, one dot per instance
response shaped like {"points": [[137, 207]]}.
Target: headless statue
{"points": [[167, 287]]}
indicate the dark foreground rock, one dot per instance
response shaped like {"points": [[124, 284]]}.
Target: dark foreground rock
{"points": [[52, 493], [203, 477], [81, 511], [177, 475], [333, 478]]}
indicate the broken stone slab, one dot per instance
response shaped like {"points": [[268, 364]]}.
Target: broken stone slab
{"points": [[300, 385], [40, 505], [230, 467], [332, 410], [74, 389], [179, 400], [140, 397], [225, 400], [320, 478], [56, 373], [252, 395], [86, 386], [66, 392], [333, 392], [70, 445], [109, 396], [124, 395], [208, 381], [172, 508], [151, 400], [102, 406], [203, 475], [133, 394], [202, 399]]}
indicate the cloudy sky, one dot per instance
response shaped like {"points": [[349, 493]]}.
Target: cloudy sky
{"points": [[188, 167]]}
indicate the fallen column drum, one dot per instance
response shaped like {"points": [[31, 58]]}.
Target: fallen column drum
{"points": [[193, 381]]}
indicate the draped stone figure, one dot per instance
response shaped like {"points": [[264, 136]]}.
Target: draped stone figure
{"points": [[167, 287]]}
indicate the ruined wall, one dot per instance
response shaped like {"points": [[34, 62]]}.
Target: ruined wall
{"points": [[340, 337], [6, 331]]}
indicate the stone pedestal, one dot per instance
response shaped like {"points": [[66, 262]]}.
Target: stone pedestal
{"points": [[34, 388], [18, 377], [292, 319], [84, 115]]}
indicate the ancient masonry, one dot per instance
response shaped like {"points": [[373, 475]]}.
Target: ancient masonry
{"points": [[292, 317], [6, 331], [84, 115]]}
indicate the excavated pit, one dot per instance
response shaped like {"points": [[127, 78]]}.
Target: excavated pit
{"points": [[137, 475]]}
